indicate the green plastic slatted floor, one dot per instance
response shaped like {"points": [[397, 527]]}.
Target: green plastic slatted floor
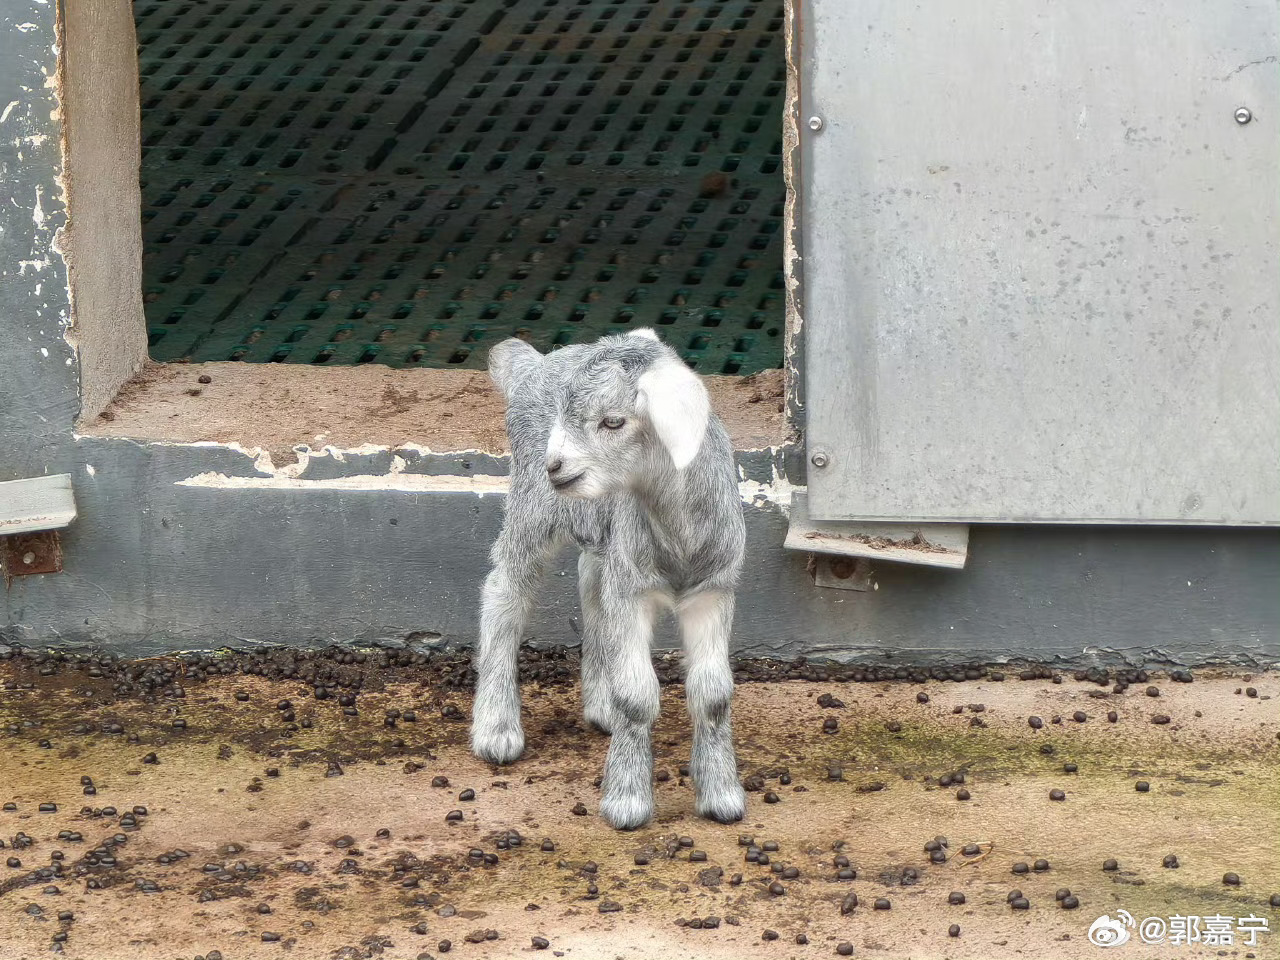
{"points": [[353, 181]]}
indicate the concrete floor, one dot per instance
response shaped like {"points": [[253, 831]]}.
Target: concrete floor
{"points": [[364, 864]]}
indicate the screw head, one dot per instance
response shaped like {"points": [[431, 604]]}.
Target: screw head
{"points": [[1243, 115], [819, 459], [815, 123]]}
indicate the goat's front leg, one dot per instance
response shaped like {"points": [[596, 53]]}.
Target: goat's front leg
{"points": [[496, 734], [596, 709], [627, 632], [705, 622]]}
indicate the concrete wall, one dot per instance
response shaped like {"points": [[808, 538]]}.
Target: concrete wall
{"points": [[104, 238], [182, 546]]}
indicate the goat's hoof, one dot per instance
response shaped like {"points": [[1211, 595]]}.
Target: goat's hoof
{"points": [[626, 812], [502, 744], [727, 806]]}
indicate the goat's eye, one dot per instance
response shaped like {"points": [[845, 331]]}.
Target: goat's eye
{"points": [[612, 423]]}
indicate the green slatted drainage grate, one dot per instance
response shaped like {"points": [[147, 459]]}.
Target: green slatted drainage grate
{"points": [[406, 183]]}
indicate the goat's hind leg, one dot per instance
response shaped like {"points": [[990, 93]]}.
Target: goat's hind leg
{"points": [[705, 622], [508, 595], [596, 708]]}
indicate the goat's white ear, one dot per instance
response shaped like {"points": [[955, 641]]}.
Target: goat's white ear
{"points": [[509, 361], [675, 401], [646, 332]]}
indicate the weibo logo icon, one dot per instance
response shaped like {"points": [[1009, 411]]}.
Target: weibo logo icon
{"points": [[1106, 932]]}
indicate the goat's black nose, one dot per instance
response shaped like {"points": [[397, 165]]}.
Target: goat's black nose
{"points": [[554, 467]]}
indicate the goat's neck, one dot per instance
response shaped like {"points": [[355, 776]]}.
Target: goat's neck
{"points": [[667, 496]]}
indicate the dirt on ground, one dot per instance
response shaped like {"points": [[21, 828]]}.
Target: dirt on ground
{"points": [[346, 407], [248, 808]]}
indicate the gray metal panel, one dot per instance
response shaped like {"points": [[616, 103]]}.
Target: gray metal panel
{"points": [[1041, 260]]}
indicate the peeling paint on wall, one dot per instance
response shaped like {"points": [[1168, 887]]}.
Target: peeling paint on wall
{"points": [[38, 385], [395, 483], [412, 468], [774, 492], [793, 346]]}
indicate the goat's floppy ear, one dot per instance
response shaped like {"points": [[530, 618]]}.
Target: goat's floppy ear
{"points": [[675, 401], [509, 361]]}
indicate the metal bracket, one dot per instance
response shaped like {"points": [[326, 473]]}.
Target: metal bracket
{"points": [[930, 544], [31, 513], [40, 503]]}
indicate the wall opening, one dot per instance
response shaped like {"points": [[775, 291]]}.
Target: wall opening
{"points": [[405, 182]]}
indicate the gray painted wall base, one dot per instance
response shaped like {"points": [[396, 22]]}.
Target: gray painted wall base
{"points": [[151, 566]]}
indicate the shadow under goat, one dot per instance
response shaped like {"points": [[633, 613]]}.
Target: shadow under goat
{"points": [[614, 447]]}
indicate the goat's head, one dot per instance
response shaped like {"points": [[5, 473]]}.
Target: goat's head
{"points": [[629, 409]]}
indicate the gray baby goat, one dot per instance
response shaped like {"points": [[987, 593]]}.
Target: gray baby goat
{"points": [[614, 447]]}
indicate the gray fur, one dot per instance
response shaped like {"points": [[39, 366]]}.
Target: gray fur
{"points": [[652, 535]]}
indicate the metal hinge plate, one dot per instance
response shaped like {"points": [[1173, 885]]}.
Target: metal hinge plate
{"points": [[23, 554], [31, 513]]}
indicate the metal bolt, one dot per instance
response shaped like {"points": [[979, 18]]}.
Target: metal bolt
{"points": [[815, 124], [819, 459], [28, 558], [1243, 115]]}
